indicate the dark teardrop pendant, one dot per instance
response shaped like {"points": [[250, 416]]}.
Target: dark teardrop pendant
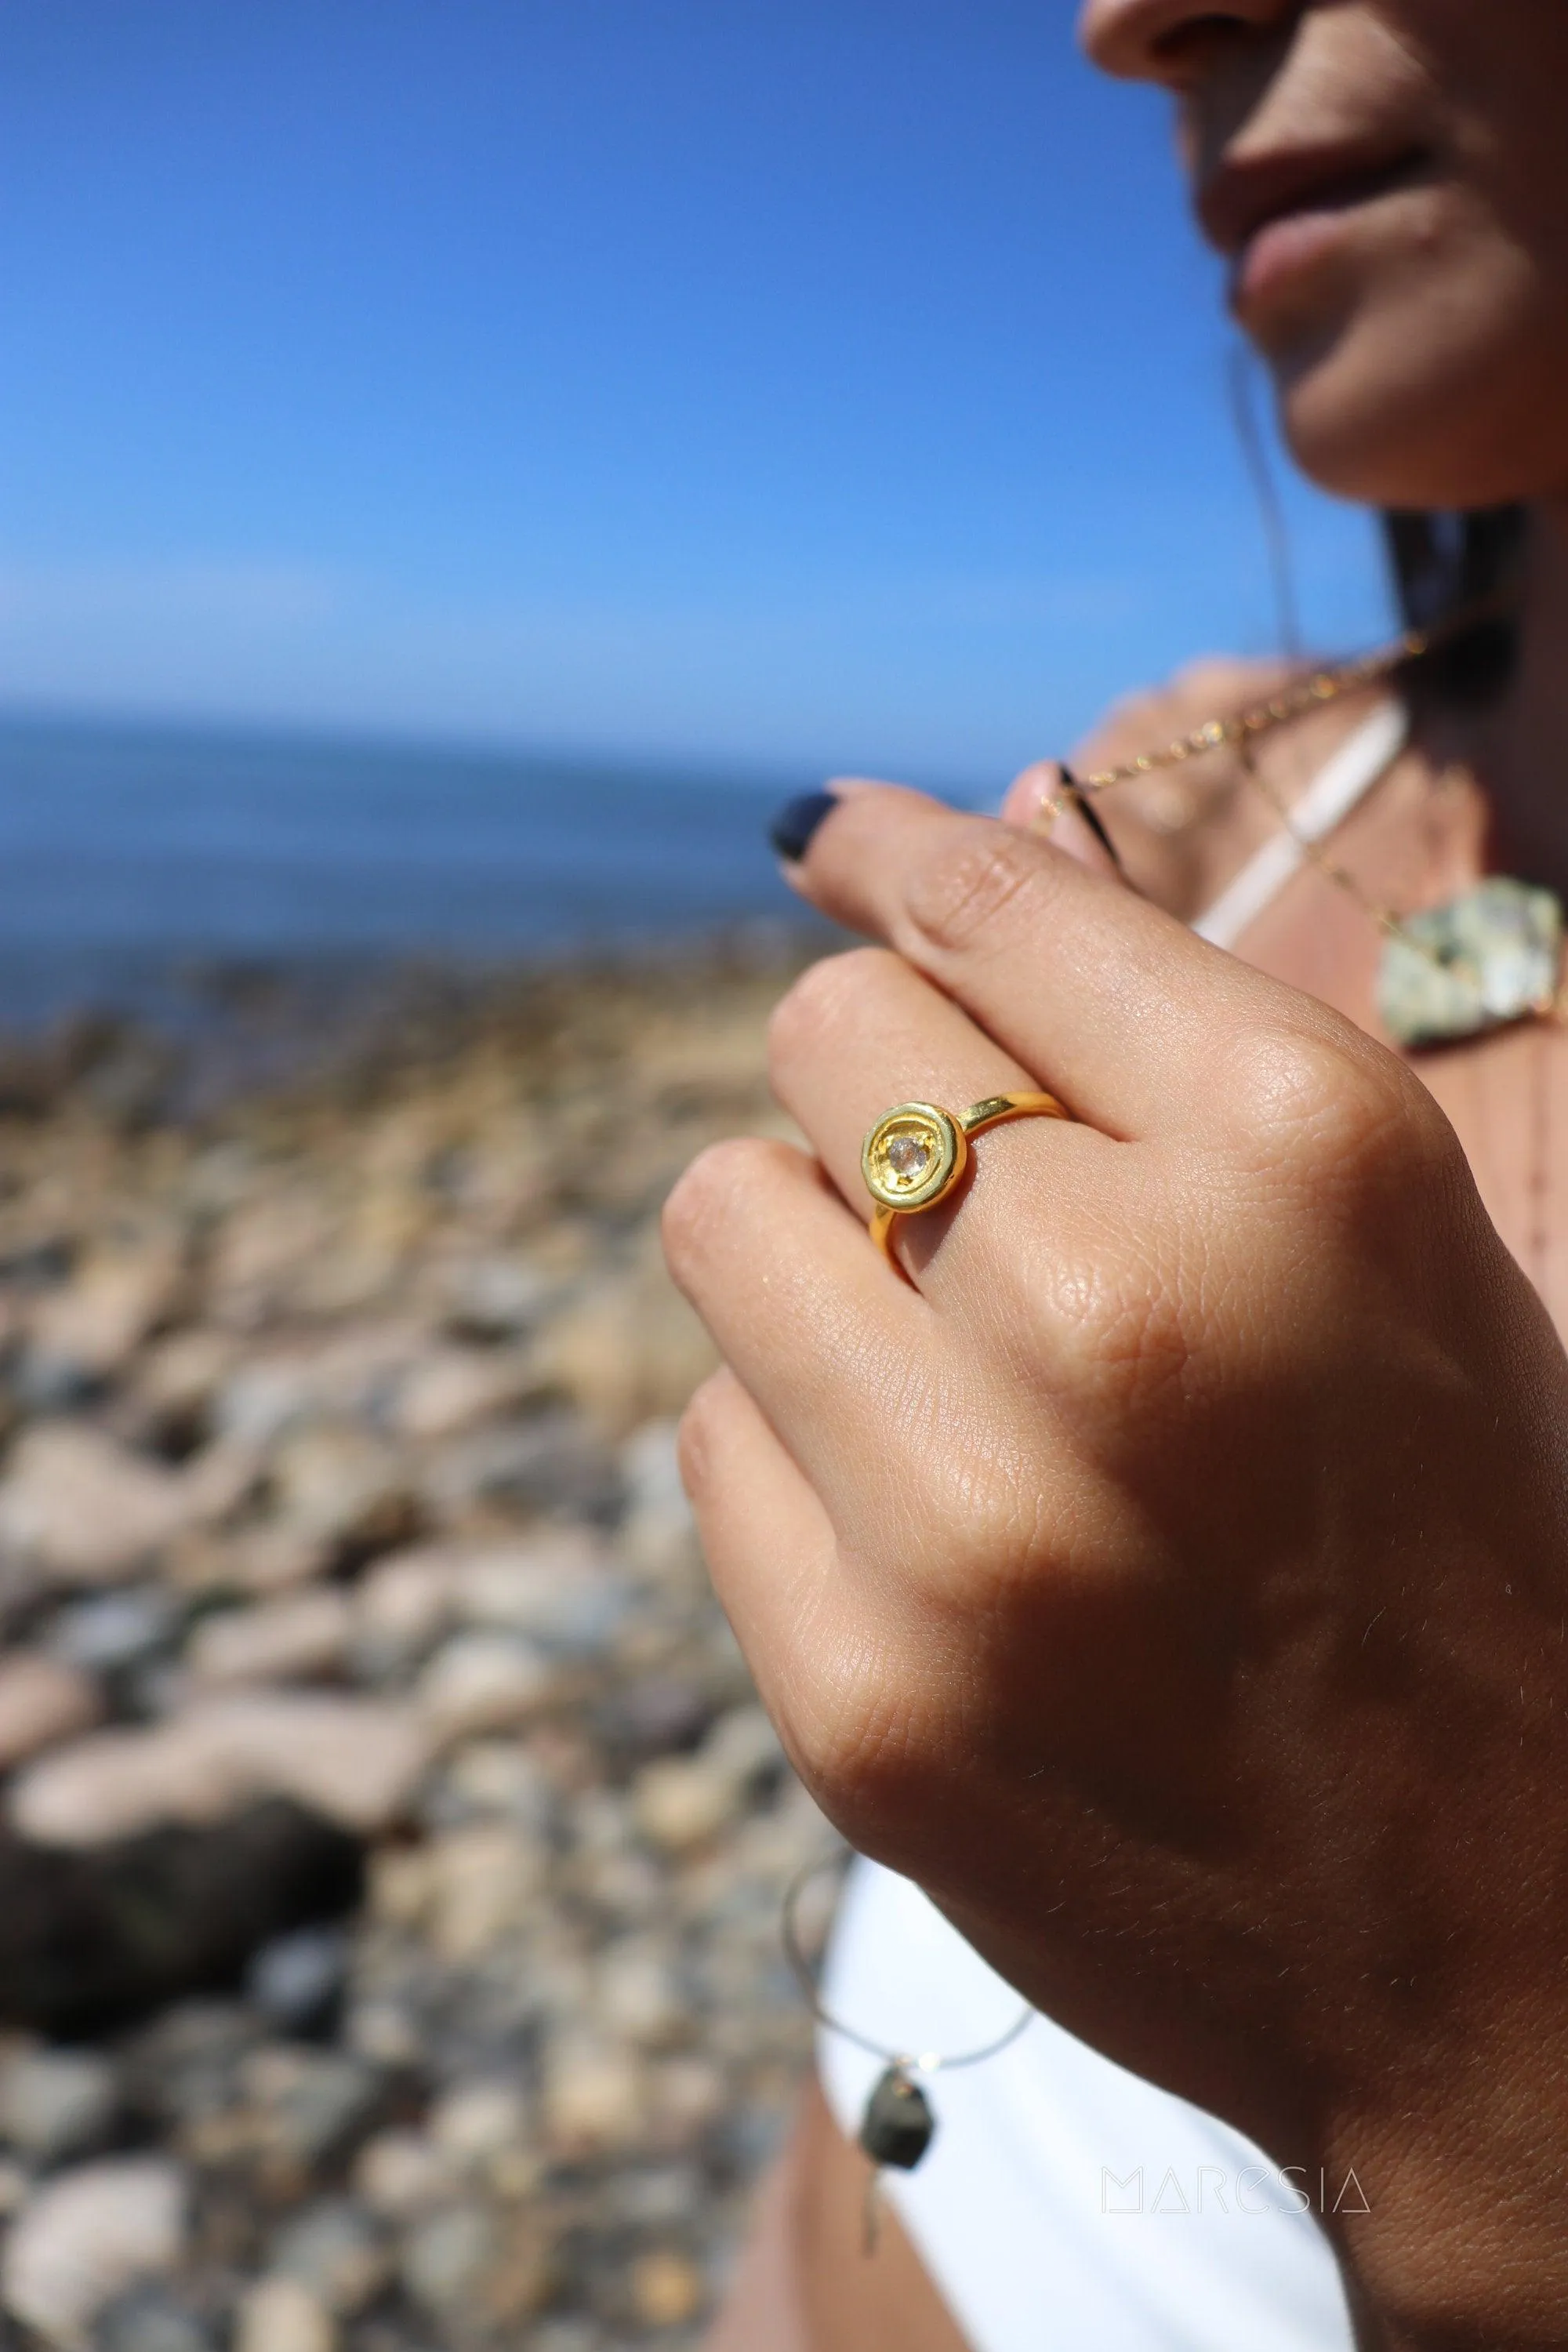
{"points": [[897, 2126]]}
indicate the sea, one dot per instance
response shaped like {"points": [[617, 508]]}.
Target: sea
{"points": [[139, 864]]}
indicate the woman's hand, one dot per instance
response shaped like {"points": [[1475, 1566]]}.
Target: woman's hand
{"points": [[1171, 1573]]}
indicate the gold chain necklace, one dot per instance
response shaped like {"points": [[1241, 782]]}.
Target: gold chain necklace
{"points": [[1491, 956], [1244, 727]]}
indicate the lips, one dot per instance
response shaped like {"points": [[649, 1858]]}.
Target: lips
{"points": [[1247, 195]]}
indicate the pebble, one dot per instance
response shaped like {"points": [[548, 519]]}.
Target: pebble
{"points": [[148, 2317], [177, 1379], [330, 1538], [312, 2102], [301, 1637], [85, 2236], [336, 2250], [494, 1295], [452, 1388], [682, 1803], [94, 1325], [115, 1784], [556, 1590], [445, 2262], [339, 1484], [280, 2315], [83, 1510], [629, 1350], [482, 1881], [354, 1759], [547, 1463], [401, 1885], [493, 1777], [595, 2097], [297, 1980], [42, 1699], [405, 1603], [666, 2289], [640, 1995], [56, 2104], [115, 1631], [400, 2174], [475, 2123], [688, 2096], [482, 1682]]}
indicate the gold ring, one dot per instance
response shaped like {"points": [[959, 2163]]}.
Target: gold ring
{"points": [[916, 1155]]}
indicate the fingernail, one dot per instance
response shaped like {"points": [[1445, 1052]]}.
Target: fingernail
{"points": [[792, 829]]}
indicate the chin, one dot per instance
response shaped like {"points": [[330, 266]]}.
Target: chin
{"points": [[1445, 396]]}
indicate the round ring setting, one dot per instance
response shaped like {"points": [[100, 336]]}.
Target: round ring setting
{"points": [[913, 1157], [917, 1153]]}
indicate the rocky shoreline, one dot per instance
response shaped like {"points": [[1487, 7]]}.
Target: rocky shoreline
{"points": [[393, 1846]]}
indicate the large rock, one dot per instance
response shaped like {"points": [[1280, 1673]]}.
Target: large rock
{"points": [[85, 2237], [87, 1941], [354, 1759], [41, 1700]]}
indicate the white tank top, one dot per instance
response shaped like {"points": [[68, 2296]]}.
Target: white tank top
{"points": [[1066, 2205]]}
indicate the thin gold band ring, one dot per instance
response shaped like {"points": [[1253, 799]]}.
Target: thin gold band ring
{"points": [[917, 1154]]}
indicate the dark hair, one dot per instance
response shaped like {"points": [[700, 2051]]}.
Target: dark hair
{"points": [[1443, 563]]}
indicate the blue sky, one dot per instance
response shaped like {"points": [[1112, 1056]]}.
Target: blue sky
{"points": [[833, 382]]}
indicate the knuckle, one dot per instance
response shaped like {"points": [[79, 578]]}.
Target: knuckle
{"points": [[1126, 1320], [828, 997], [698, 1436], [954, 894], [864, 1744], [701, 1197], [1347, 1119]]}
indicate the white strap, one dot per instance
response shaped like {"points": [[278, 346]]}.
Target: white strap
{"points": [[1361, 762]]}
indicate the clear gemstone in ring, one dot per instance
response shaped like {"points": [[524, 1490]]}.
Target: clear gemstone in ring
{"points": [[913, 1157]]}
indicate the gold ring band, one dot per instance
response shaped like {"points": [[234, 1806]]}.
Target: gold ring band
{"points": [[917, 1154]]}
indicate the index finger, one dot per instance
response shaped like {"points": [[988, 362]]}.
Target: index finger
{"points": [[1114, 1004]]}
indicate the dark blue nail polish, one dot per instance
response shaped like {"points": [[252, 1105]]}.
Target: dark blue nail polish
{"points": [[792, 829]]}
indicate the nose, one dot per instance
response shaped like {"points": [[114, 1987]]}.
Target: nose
{"points": [[1172, 41]]}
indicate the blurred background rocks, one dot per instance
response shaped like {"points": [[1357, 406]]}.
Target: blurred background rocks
{"points": [[391, 1846]]}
